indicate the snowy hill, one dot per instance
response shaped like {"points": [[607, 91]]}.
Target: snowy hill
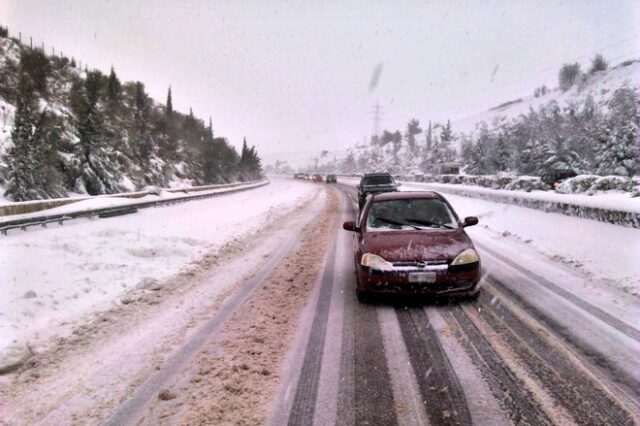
{"points": [[600, 86]]}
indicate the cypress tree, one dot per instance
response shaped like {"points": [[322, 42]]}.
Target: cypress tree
{"points": [[169, 110], [114, 88]]}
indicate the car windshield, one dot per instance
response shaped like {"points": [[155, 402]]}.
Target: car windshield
{"points": [[377, 180], [420, 213]]}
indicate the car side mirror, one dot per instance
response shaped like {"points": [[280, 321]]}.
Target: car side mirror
{"points": [[350, 226], [470, 221], [398, 184]]}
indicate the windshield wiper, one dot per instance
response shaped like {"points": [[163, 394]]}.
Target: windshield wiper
{"points": [[397, 223], [429, 223]]}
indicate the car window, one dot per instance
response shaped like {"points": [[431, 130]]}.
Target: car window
{"points": [[378, 180], [423, 213]]}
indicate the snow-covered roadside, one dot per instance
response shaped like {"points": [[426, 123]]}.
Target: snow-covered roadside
{"points": [[607, 201], [113, 200], [53, 277]]}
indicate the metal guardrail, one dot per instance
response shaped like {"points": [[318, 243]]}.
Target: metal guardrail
{"points": [[44, 220]]}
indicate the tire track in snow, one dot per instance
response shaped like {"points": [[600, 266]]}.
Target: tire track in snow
{"points": [[508, 389], [594, 355], [304, 402], [580, 396], [605, 317], [374, 402], [442, 394]]}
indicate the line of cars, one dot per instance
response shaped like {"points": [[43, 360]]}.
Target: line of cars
{"points": [[330, 178], [410, 243]]}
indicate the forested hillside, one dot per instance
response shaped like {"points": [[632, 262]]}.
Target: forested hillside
{"points": [[69, 129], [589, 124]]}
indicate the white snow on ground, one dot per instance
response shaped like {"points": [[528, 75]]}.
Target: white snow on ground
{"points": [[85, 265], [604, 252], [105, 201], [610, 200]]}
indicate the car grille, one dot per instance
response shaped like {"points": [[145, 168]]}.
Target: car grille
{"points": [[420, 263], [422, 287]]}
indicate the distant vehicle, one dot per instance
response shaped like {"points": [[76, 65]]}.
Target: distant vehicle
{"points": [[554, 177], [448, 168], [413, 243], [372, 183], [331, 179], [298, 176], [317, 178]]}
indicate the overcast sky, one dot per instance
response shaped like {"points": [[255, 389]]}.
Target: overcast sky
{"points": [[296, 76]]}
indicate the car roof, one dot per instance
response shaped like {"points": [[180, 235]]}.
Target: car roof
{"points": [[377, 174], [383, 196]]}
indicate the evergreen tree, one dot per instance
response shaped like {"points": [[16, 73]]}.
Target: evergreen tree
{"points": [[36, 64], [619, 137], [501, 156], [98, 173], [21, 161], [250, 165], [479, 158], [114, 89], [169, 109], [144, 147], [413, 129]]}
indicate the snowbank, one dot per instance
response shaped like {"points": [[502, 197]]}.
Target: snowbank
{"points": [[53, 277], [615, 208]]}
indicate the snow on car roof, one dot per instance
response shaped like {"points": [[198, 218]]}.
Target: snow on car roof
{"points": [[406, 194]]}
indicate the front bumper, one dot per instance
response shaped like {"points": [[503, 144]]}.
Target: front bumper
{"points": [[447, 280]]}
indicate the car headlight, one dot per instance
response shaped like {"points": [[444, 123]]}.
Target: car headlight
{"points": [[466, 256], [374, 261]]}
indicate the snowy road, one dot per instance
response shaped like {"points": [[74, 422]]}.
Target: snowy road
{"points": [[286, 342], [529, 351]]}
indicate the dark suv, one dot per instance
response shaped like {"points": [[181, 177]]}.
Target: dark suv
{"points": [[373, 183]]}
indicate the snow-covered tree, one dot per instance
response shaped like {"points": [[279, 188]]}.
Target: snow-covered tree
{"points": [[98, 173], [413, 129], [618, 147]]}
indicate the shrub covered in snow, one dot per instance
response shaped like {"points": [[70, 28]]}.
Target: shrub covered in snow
{"points": [[577, 184], [527, 183], [611, 183]]}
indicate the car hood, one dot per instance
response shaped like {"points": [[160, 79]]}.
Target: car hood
{"points": [[430, 244]]}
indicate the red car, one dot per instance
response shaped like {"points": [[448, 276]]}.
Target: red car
{"points": [[413, 243]]}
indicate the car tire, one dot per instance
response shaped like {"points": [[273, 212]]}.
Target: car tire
{"points": [[474, 295], [363, 296]]}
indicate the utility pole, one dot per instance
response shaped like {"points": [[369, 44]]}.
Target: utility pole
{"points": [[377, 116]]}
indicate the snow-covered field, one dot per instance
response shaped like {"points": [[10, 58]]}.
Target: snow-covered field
{"points": [[604, 253], [51, 278]]}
